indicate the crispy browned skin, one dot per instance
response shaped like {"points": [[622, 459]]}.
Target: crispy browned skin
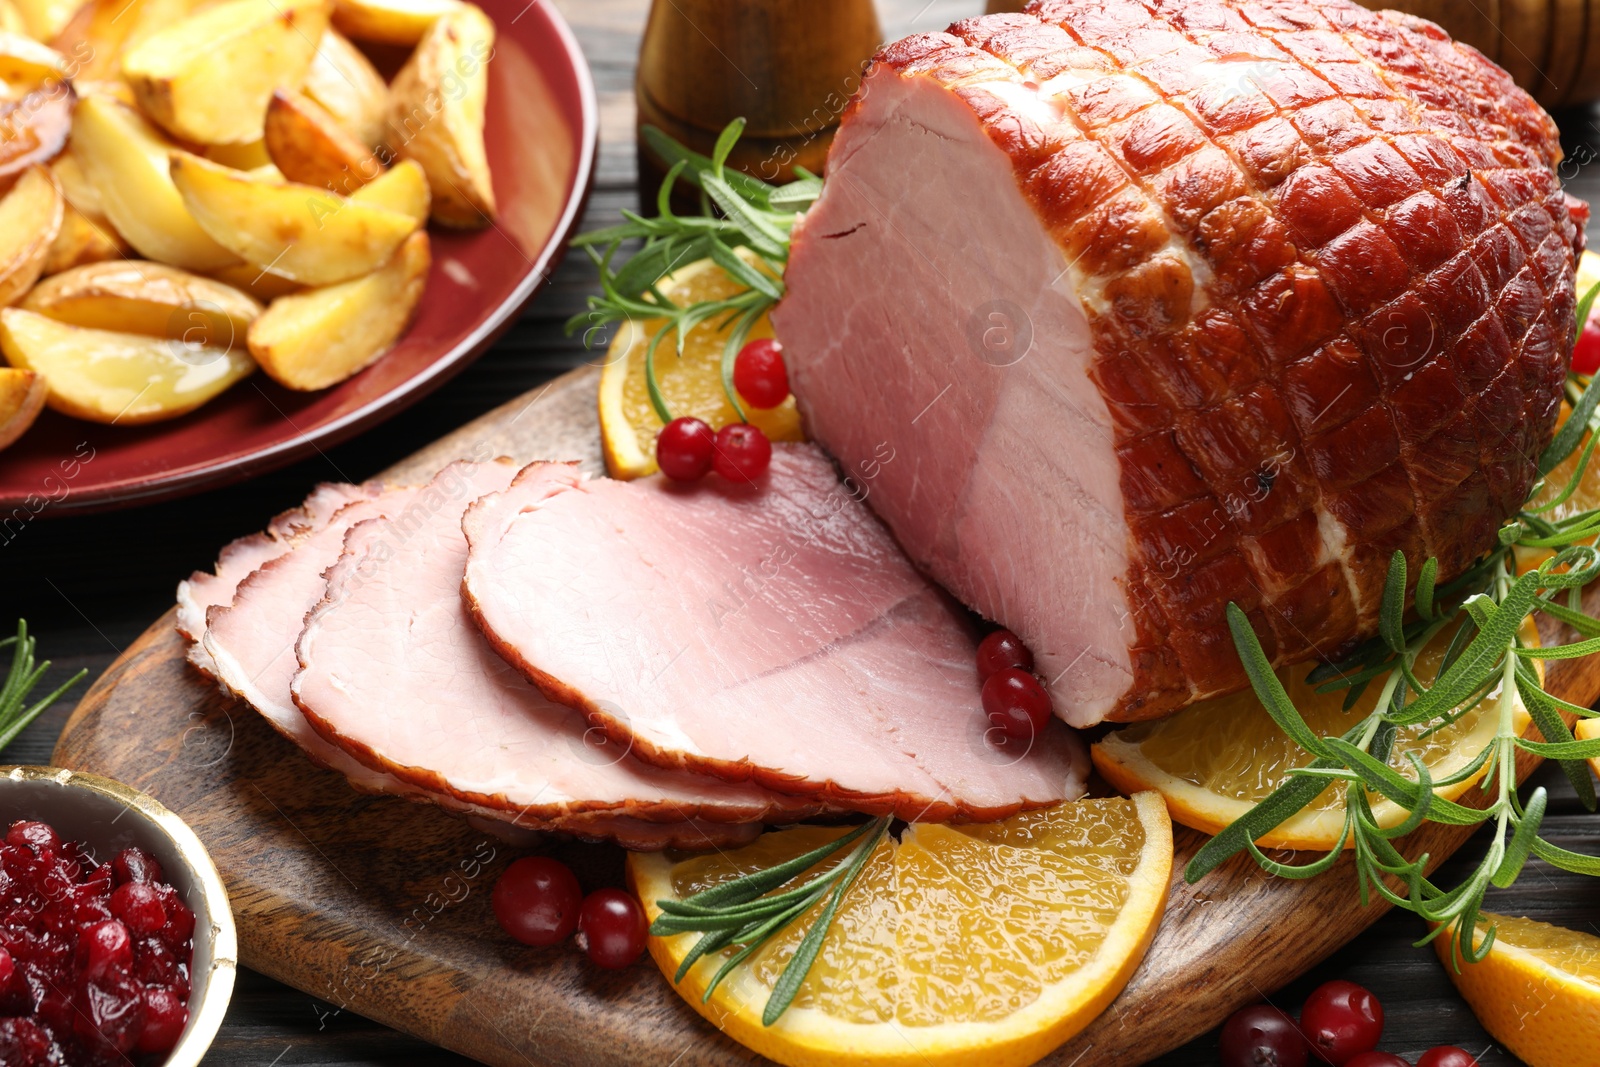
{"points": [[1387, 322]]}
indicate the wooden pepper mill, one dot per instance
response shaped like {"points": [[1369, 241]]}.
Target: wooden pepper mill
{"points": [[1551, 47], [788, 67]]}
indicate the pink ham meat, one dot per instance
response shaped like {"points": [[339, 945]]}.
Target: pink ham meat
{"points": [[771, 633], [251, 636], [203, 590], [395, 673], [1136, 309]]}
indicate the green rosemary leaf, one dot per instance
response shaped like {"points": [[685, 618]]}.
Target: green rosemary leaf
{"points": [[754, 189], [1571, 432], [1587, 625], [1425, 581], [1585, 306], [1545, 711], [764, 237], [1280, 805], [754, 939], [1419, 812], [1576, 650], [1561, 750], [1572, 482], [1522, 841], [799, 965], [1480, 657], [743, 273], [1269, 690], [24, 675], [1403, 791], [1391, 615], [796, 195], [708, 943], [651, 385], [749, 886], [1301, 871], [1556, 856], [730, 356], [725, 142]]}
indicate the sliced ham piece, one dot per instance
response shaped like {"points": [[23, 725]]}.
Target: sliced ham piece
{"points": [[395, 673], [204, 590], [1136, 309], [251, 634], [772, 633]]}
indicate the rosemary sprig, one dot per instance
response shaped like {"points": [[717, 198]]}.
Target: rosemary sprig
{"points": [[24, 674], [737, 212], [746, 912], [1485, 661]]}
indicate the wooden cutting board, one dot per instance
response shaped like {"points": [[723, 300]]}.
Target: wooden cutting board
{"points": [[381, 906]]}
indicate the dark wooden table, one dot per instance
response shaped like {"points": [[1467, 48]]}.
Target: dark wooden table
{"points": [[89, 585]]}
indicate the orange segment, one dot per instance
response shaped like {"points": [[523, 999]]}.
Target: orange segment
{"points": [[1537, 992], [987, 945], [690, 382], [1216, 759]]}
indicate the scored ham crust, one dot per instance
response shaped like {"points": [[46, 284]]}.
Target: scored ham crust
{"points": [[394, 672], [769, 633], [1136, 309]]}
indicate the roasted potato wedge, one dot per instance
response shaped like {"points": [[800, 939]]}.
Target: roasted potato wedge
{"points": [[309, 146], [127, 160], [258, 283], [27, 64], [400, 22], [136, 296], [246, 156], [30, 217], [436, 115], [123, 378], [208, 78], [33, 128], [346, 83], [402, 188], [312, 236], [11, 19], [314, 339], [81, 240], [45, 19], [22, 395]]}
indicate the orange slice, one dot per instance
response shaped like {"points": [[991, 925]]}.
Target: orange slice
{"points": [[979, 944], [690, 382], [1215, 760]]}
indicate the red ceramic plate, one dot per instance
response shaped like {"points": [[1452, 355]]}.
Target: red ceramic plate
{"points": [[543, 126]]}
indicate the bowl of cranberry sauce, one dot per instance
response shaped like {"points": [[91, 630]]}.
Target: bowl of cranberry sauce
{"points": [[117, 944]]}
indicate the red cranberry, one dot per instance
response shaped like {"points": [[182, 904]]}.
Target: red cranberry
{"points": [[135, 865], [8, 967], [759, 374], [1261, 1036], [37, 836], [105, 950], [1377, 1059], [612, 928], [24, 1044], [154, 963], [180, 920], [1586, 353], [139, 908], [1448, 1055], [683, 449], [742, 452], [1000, 650], [537, 901], [1016, 704], [109, 1018], [164, 1019], [1341, 1020]]}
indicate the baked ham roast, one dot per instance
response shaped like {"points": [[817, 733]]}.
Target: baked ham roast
{"points": [[1135, 309]]}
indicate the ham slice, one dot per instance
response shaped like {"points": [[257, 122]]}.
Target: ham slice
{"points": [[204, 590], [771, 633], [250, 638], [1139, 308], [395, 673]]}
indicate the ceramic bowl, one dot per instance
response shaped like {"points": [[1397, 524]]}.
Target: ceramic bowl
{"points": [[108, 817]]}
